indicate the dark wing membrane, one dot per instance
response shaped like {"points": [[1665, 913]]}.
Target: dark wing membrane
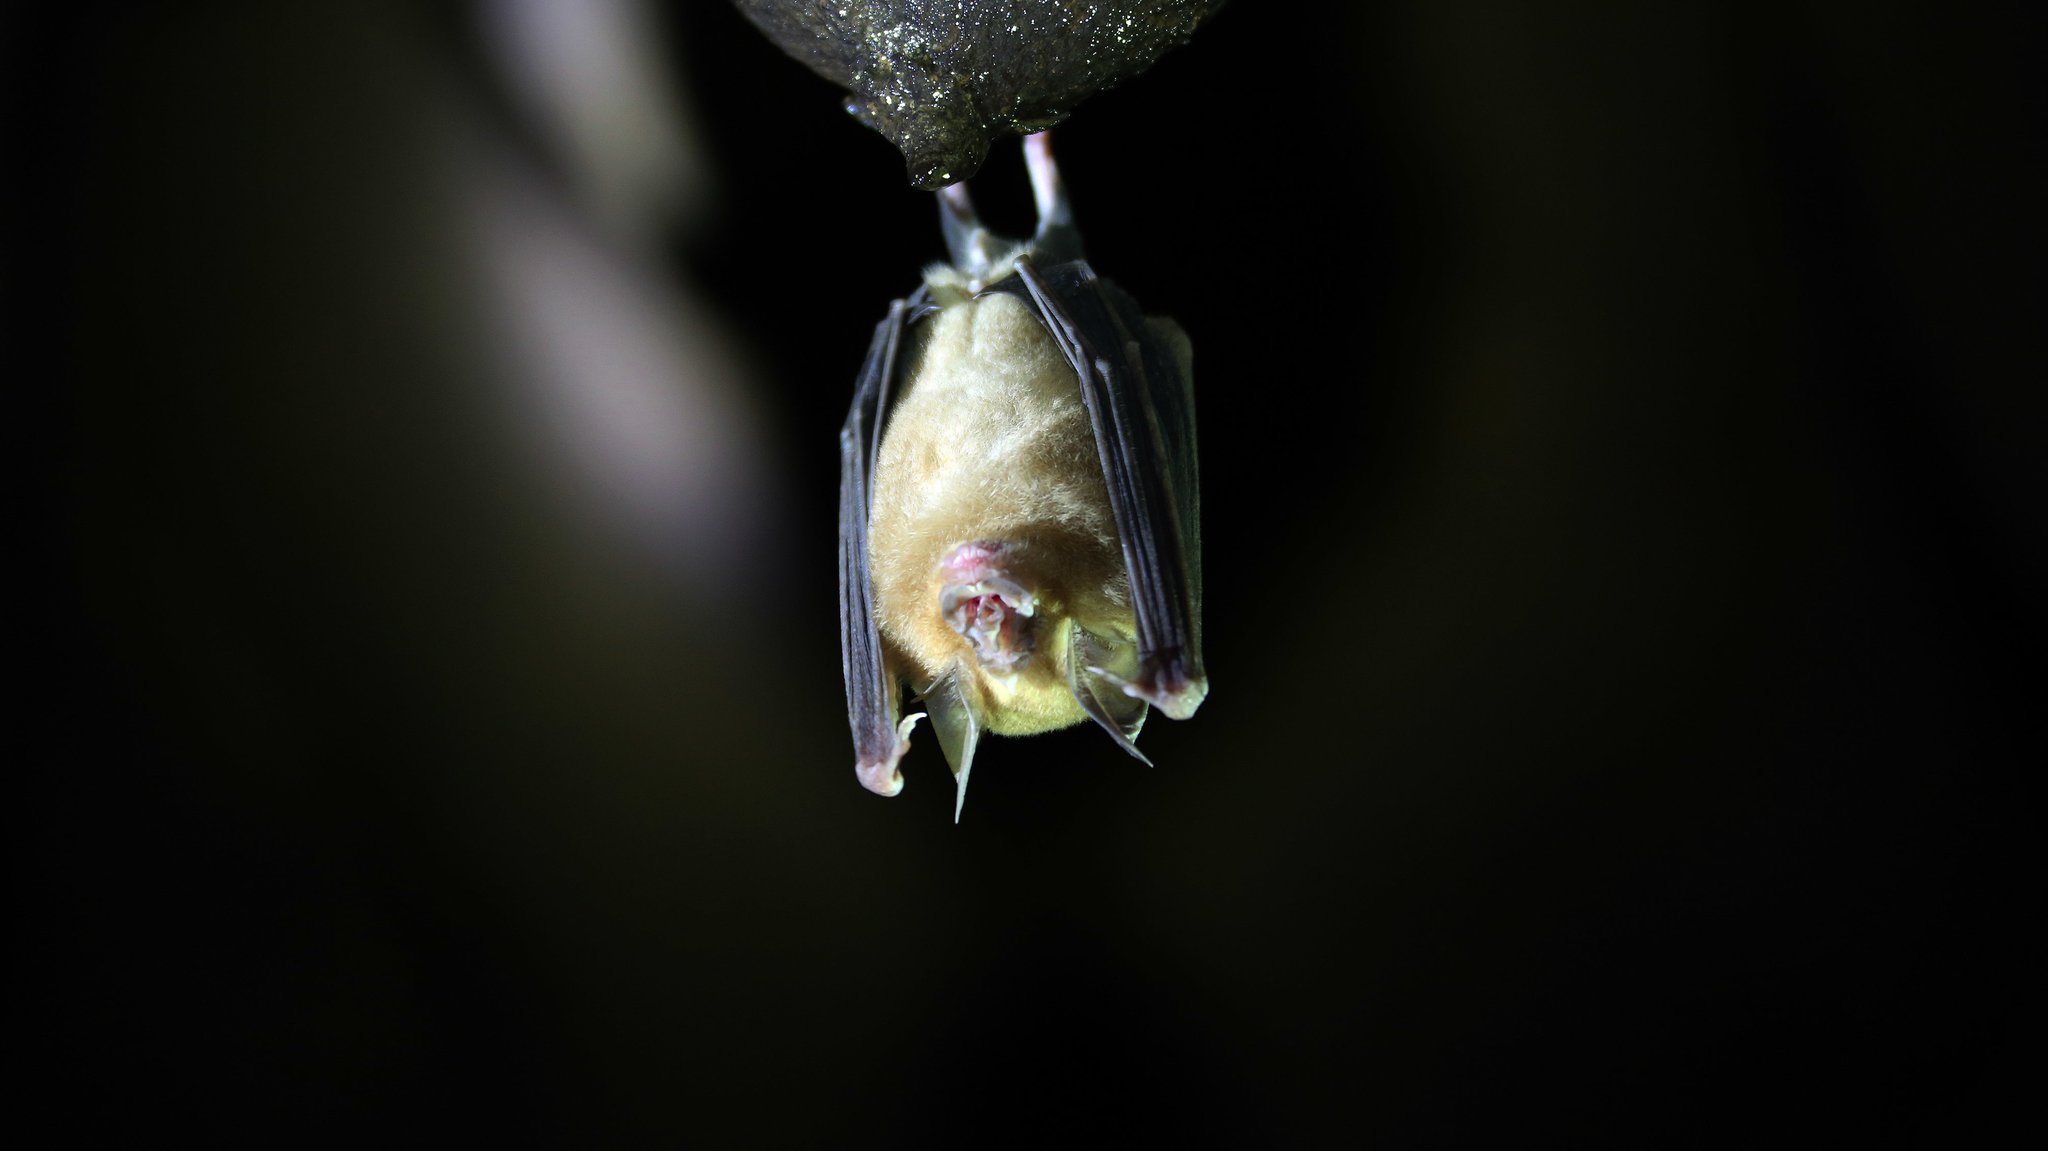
{"points": [[1171, 392], [872, 691], [1141, 404]]}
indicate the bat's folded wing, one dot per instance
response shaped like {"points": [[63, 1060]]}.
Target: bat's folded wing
{"points": [[1136, 385], [873, 701]]}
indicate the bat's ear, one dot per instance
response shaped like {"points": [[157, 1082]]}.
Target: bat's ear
{"points": [[958, 727], [1096, 671]]}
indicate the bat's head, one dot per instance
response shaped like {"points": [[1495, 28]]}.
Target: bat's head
{"points": [[1012, 654], [1002, 629]]}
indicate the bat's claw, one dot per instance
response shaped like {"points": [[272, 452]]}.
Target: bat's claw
{"points": [[882, 776], [1180, 702]]}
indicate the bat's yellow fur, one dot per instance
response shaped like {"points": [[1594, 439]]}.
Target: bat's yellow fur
{"points": [[990, 442]]}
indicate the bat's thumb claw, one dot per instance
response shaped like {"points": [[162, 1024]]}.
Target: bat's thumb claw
{"points": [[1180, 701], [881, 775], [881, 778], [1174, 692]]}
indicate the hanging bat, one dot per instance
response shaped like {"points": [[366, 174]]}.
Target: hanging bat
{"points": [[1018, 514]]}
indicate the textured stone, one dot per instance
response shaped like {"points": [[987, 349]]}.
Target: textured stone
{"points": [[941, 78]]}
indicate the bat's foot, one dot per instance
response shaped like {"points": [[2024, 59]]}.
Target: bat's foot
{"points": [[986, 606], [984, 257]]}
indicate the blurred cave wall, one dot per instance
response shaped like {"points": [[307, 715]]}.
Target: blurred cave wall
{"points": [[1624, 588]]}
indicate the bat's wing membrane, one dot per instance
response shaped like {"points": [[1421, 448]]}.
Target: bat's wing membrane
{"points": [[1140, 400], [873, 692]]}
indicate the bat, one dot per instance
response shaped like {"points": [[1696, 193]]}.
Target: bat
{"points": [[1018, 512]]}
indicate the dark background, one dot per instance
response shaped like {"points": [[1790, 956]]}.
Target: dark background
{"points": [[1622, 433]]}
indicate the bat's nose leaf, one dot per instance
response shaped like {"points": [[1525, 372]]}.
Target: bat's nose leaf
{"points": [[958, 728], [1100, 692]]}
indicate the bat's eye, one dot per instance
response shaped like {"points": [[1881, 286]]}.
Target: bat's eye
{"points": [[988, 608]]}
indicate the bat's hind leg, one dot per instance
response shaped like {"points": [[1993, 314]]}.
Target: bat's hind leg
{"points": [[1056, 240], [983, 256], [971, 246]]}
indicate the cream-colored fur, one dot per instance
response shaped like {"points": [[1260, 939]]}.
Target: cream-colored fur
{"points": [[990, 441]]}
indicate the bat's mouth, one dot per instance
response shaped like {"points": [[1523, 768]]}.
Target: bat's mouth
{"points": [[991, 611]]}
